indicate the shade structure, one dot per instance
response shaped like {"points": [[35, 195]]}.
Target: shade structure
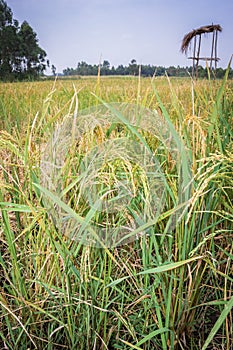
{"points": [[195, 37]]}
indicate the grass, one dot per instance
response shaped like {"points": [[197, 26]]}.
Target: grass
{"points": [[170, 288]]}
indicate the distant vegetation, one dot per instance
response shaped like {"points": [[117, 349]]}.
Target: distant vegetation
{"points": [[20, 55], [133, 68]]}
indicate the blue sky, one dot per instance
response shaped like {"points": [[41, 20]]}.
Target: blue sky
{"points": [[149, 31]]}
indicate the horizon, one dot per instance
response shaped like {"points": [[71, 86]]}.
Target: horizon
{"points": [[125, 66], [151, 32]]}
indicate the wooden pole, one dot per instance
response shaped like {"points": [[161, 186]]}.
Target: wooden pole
{"points": [[212, 50], [198, 55], [194, 55], [216, 58]]}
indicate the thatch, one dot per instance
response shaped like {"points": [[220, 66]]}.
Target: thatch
{"points": [[202, 30]]}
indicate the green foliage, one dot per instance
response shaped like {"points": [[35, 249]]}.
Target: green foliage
{"points": [[145, 70], [6, 15], [20, 55]]}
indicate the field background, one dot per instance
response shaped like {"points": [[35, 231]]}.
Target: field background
{"points": [[169, 290]]}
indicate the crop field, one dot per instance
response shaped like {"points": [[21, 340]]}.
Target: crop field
{"points": [[116, 214]]}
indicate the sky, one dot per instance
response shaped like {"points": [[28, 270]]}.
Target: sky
{"points": [[149, 31]]}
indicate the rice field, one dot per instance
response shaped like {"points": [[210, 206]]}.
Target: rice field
{"points": [[169, 286]]}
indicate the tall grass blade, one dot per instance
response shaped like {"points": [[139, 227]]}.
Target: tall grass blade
{"points": [[218, 323]]}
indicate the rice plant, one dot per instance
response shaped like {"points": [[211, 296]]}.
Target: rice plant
{"points": [[169, 284]]}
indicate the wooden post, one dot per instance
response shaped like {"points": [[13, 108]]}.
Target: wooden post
{"points": [[212, 50], [198, 55], [216, 55], [194, 55]]}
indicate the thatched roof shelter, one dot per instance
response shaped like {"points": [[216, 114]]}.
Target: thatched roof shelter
{"points": [[202, 30]]}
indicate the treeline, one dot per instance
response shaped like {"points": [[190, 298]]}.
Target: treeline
{"points": [[20, 55], [133, 68]]}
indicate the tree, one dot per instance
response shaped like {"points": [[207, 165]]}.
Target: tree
{"points": [[120, 70], [20, 54], [53, 68], [9, 51], [105, 69], [6, 16], [8, 40], [33, 57], [133, 67], [106, 64]]}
